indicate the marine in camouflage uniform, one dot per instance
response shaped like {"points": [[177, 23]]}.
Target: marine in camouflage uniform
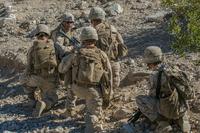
{"points": [[40, 84], [150, 105], [67, 27], [97, 18], [64, 45], [91, 92]]}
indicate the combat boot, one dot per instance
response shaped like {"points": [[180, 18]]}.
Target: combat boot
{"points": [[40, 106], [68, 113]]}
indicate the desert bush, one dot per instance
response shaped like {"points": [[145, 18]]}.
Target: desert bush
{"points": [[184, 24]]}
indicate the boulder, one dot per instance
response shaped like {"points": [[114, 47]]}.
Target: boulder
{"points": [[121, 114]]}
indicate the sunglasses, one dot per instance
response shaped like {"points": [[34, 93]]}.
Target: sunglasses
{"points": [[68, 22], [42, 35]]}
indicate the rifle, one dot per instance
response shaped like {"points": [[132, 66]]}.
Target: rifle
{"points": [[135, 116], [72, 40], [106, 100]]}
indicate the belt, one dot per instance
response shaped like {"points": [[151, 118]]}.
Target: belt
{"points": [[86, 84]]}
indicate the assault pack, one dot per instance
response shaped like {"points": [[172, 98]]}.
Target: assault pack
{"points": [[89, 66], [44, 55], [110, 41], [173, 94]]}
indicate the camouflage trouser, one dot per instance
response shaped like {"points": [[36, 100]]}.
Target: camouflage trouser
{"points": [[49, 97], [148, 105], [115, 72], [42, 90], [28, 86], [71, 100], [93, 107]]}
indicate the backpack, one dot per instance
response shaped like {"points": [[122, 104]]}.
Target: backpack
{"points": [[89, 66], [110, 41], [44, 55], [173, 105]]}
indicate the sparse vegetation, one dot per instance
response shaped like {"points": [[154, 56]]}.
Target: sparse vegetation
{"points": [[184, 24]]}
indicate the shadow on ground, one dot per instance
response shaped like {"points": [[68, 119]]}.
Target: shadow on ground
{"points": [[15, 109], [155, 36], [9, 86], [32, 124]]}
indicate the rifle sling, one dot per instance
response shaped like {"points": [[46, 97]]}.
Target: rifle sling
{"points": [[158, 87]]}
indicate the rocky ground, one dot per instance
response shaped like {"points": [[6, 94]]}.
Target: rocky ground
{"points": [[142, 23]]}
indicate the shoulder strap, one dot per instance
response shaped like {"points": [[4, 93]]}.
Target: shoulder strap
{"points": [[158, 87]]}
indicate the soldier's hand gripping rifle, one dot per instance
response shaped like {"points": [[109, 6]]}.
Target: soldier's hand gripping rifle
{"points": [[72, 40], [135, 116]]}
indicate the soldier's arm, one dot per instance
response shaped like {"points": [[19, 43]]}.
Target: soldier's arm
{"points": [[107, 67], [29, 68], [58, 42], [119, 38], [53, 35], [133, 77], [66, 63], [59, 51]]}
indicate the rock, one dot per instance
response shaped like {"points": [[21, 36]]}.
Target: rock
{"points": [[130, 62], [82, 5], [7, 14], [133, 77], [157, 17], [113, 9], [59, 129], [25, 25], [140, 6], [121, 114]]}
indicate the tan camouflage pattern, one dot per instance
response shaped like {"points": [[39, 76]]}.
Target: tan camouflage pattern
{"points": [[153, 54], [97, 13], [63, 42], [90, 93], [42, 28], [149, 105], [40, 83], [116, 74], [114, 63], [68, 17], [88, 33], [93, 107]]}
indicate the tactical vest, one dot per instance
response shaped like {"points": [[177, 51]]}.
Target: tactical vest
{"points": [[44, 57], [172, 94], [88, 66]]}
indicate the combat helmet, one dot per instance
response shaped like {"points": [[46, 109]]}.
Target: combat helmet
{"points": [[88, 33], [68, 17], [97, 13], [42, 28], [153, 54]]}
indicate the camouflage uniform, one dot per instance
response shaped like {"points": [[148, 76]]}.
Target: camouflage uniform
{"points": [[98, 13], [57, 38], [149, 105], [40, 84], [64, 45], [91, 93]]}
